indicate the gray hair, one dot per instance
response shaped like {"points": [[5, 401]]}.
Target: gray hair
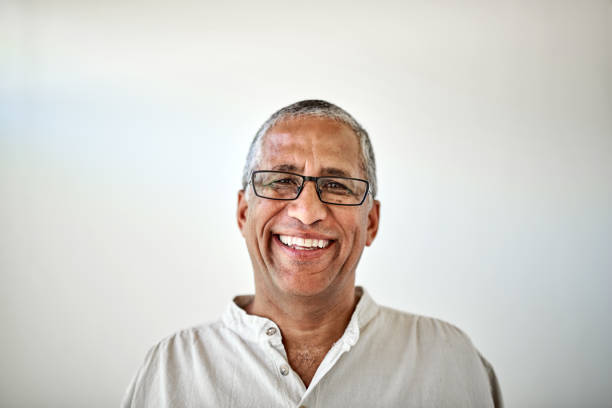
{"points": [[316, 108]]}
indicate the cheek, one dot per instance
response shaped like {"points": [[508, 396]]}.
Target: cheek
{"points": [[260, 215], [355, 229], [250, 226]]}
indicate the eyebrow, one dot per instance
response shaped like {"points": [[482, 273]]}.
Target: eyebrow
{"points": [[326, 171], [285, 167]]}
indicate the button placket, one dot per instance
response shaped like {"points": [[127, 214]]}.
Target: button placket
{"points": [[275, 341], [287, 381]]}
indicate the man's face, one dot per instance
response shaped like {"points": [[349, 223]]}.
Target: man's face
{"points": [[313, 147]]}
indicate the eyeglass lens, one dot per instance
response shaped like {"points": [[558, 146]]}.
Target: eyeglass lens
{"points": [[286, 186]]}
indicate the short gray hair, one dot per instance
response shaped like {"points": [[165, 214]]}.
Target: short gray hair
{"points": [[316, 108]]}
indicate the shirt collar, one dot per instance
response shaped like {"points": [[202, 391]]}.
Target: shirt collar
{"points": [[256, 328]]}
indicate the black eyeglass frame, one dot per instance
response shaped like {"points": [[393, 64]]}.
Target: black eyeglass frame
{"points": [[314, 180]]}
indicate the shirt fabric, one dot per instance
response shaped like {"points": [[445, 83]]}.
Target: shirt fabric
{"points": [[385, 358]]}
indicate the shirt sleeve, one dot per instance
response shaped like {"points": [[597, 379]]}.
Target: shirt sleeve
{"points": [[493, 383], [133, 395]]}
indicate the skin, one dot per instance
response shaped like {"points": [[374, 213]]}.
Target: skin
{"points": [[310, 295]]}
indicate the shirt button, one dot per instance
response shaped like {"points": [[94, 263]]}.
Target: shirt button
{"points": [[284, 369], [271, 331]]}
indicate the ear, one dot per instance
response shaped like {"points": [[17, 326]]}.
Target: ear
{"points": [[241, 211], [373, 219]]}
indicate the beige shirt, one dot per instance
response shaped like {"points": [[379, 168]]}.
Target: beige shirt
{"points": [[385, 358]]}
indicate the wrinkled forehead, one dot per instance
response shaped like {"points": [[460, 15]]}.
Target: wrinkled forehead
{"points": [[313, 143]]}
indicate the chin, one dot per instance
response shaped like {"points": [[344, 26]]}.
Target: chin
{"points": [[306, 285]]}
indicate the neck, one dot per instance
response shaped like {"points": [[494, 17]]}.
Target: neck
{"points": [[307, 320]]}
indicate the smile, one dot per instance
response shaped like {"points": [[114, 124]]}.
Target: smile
{"points": [[303, 244]]}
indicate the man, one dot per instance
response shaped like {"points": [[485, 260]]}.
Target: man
{"points": [[309, 337]]}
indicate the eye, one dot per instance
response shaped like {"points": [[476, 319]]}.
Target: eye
{"points": [[282, 182], [335, 187]]}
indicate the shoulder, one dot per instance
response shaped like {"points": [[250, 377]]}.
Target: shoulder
{"points": [[188, 341], [434, 354], [167, 365], [426, 337], [424, 328], [194, 333]]}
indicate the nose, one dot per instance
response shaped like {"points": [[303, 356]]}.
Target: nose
{"points": [[307, 208]]}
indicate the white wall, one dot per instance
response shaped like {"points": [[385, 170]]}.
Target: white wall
{"points": [[123, 130]]}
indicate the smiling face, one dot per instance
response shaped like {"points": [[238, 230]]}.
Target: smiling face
{"points": [[304, 247]]}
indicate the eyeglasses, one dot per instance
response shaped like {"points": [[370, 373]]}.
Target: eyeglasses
{"points": [[280, 185]]}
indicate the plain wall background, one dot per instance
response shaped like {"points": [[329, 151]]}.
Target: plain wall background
{"points": [[123, 131]]}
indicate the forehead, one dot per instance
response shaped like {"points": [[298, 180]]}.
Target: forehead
{"points": [[311, 143]]}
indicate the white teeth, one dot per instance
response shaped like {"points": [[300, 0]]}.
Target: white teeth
{"points": [[303, 243]]}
